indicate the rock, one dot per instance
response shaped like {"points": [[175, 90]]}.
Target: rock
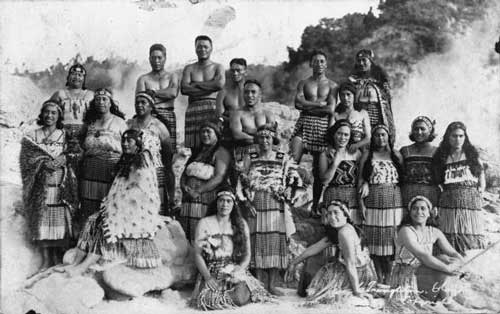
{"points": [[62, 295], [178, 265], [20, 258], [20, 301]]}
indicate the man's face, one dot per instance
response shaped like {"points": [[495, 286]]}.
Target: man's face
{"points": [[238, 72], [157, 60], [203, 49], [251, 94], [76, 79], [318, 64]]}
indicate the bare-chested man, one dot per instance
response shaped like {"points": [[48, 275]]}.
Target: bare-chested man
{"points": [[230, 98], [165, 88], [200, 81], [245, 121], [316, 100]]}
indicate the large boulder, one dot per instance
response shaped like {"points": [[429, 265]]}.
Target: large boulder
{"points": [[57, 294], [178, 265]]}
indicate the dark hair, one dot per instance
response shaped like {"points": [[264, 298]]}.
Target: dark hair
{"points": [[91, 114], [433, 219], [317, 52], [77, 66], [128, 162], [252, 81], [332, 233], [330, 132], [344, 86], [444, 150], [240, 61], [432, 134], [376, 71], [368, 167], [59, 122], [238, 223], [158, 47], [203, 37]]}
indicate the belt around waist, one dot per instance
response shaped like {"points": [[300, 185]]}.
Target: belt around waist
{"points": [[164, 108]]}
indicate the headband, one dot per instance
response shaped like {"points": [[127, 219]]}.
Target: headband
{"points": [[226, 193], [52, 103], [424, 119], [145, 95], [456, 125], [77, 69], [340, 204], [419, 198], [365, 53], [103, 92], [381, 126], [266, 132], [135, 135]]}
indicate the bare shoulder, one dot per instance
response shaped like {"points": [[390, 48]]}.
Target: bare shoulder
{"points": [[333, 84], [189, 67]]}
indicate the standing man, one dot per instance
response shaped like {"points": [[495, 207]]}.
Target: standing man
{"points": [[245, 121], [230, 98], [315, 99], [164, 88], [200, 81]]}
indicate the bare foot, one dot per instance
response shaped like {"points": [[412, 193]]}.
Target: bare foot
{"points": [[276, 292]]}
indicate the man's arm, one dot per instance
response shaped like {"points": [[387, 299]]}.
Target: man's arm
{"points": [[141, 85], [215, 84], [172, 89], [219, 103], [300, 101], [237, 128], [187, 87]]}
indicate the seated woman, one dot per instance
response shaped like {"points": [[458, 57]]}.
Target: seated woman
{"points": [[122, 230], [352, 269], [222, 255], [416, 237]]}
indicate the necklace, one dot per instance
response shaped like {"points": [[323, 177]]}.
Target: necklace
{"points": [[104, 126]]}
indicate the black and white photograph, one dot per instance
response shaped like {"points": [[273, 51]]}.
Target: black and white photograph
{"points": [[249, 156]]}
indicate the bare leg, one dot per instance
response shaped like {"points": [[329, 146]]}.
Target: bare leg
{"points": [[79, 269], [386, 267], [79, 256], [45, 258], [317, 186], [273, 276], [378, 268], [297, 148]]}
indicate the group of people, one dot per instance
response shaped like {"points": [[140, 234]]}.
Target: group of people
{"points": [[94, 179]]}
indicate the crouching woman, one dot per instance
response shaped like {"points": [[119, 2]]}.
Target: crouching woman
{"points": [[122, 231], [351, 271], [222, 255]]}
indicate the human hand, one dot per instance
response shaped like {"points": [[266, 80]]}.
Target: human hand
{"points": [[353, 148], [364, 190], [289, 274], [211, 283]]}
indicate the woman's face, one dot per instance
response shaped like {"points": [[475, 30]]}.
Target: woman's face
{"points": [[420, 131], [380, 138], [75, 79], [224, 205], [335, 216], [208, 136], [342, 136], [419, 212], [142, 107], [129, 145], [102, 104], [50, 115], [364, 64], [265, 142], [457, 138], [346, 98]]}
